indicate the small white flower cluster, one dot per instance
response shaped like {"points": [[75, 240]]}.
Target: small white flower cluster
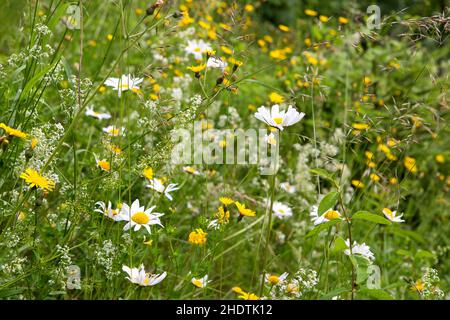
{"points": [[14, 267], [47, 137], [105, 257], [303, 281], [10, 238], [42, 29], [58, 275], [430, 280]]}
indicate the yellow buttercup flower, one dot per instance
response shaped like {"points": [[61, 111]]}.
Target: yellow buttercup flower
{"points": [[34, 179]]}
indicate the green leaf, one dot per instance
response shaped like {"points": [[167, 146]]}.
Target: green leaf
{"points": [[328, 202], [402, 252], [30, 84], [5, 293], [339, 244], [376, 294], [408, 234], [323, 226], [324, 174], [364, 215], [424, 254]]}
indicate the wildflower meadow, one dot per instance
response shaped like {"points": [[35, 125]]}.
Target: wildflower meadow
{"points": [[219, 150]]}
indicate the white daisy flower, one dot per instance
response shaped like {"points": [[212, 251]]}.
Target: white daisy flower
{"points": [[281, 210], [289, 188], [392, 215], [279, 119], [108, 211], [158, 185], [113, 131], [200, 282], [124, 83], [273, 279], [142, 278], [137, 216], [98, 115], [360, 249], [197, 48], [216, 63], [330, 214]]}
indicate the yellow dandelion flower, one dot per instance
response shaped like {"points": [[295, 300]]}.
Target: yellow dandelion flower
{"points": [[323, 18], [310, 13], [34, 143], [440, 158], [226, 201], [34, 179], [357, 184], [276, 98], [410, 164], [283, 28], [198, 237], [104, 165], [418, 285], [13, 132], [197, 69], [268, 38], [249, 8], [243, 211], [360, 126], [148, 173], [343, 20]]}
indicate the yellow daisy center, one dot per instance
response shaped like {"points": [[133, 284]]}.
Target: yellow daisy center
{"points": [[330, 215], [197, 283], [273, 279], [278, 120], [140, 218], [388, 212], [114, 131]]}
